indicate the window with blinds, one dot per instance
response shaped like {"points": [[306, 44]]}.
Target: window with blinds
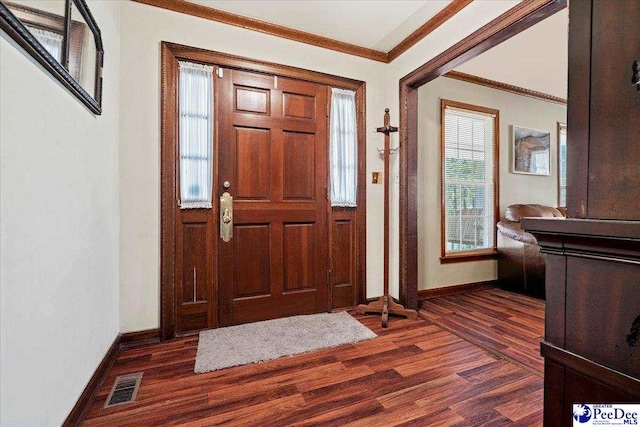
{"points": [[562, 165], [196, 135], [469, 149]]}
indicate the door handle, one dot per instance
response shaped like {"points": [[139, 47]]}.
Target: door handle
{"points": [[226, 216]]}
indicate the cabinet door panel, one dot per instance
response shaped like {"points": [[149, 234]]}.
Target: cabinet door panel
{"points": [[603, 301], [614, 146]]}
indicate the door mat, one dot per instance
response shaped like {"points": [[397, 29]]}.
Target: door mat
{"points": [[255, 342]]}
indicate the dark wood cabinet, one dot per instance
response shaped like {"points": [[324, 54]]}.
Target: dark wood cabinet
{"points": [[592, 319], [592, 342], [603, 126]]}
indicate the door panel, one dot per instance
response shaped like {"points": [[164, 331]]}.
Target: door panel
{"points": [[299, 106], [252, 100], [299, 166], [273, 152], [251, 260], [195, 292], [344, 244], [299, 257], [252, 163], [195, 262]]}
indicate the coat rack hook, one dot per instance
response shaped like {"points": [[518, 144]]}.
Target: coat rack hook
{"points": [[381, 151]]}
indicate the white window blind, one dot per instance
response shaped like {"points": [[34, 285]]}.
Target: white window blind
{"points": [[562, 166], [468, 181], [196, 135], [52, 42], [343, 151]]}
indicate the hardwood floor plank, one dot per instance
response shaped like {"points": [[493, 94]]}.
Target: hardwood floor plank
{"points": [[274, 410], [411, 394], [345, 415], [387, 360], [497, 394], [522, 408], [339, 380], [397, 416], [487, 418], [442, 418]]}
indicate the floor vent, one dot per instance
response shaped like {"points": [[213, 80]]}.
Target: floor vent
{"points": [[124, 390]]}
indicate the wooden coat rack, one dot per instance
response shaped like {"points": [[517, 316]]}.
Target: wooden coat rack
{"points": [[385, 305]]}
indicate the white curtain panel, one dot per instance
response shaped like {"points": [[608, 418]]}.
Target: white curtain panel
{"points": [[196, 135], [51, 41], [343, 148]]}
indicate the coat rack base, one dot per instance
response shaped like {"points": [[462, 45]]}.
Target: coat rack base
{"points": [[384, 306]]}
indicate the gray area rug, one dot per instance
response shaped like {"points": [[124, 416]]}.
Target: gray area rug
{"points": [[255, 342]]}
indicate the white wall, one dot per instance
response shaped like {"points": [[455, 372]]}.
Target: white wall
{"points": [[143, 28], [514, 188], [59, 224], [537, 58]]}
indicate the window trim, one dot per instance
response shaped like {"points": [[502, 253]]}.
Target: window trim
{"points": [[478, 254], [561, 126]]}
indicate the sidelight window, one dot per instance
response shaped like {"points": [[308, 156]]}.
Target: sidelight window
{"points": [[196, 135], [469, 169], [343, 148]]}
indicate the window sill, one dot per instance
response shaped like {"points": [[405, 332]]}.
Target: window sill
{"points": [[469, 256]]}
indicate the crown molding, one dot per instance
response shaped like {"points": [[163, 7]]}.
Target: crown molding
{"points": [[470, 78], [427, 28], [212, 14]]}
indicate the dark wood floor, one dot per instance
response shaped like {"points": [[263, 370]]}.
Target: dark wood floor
{"points": [[416, 373], [501, 322]]}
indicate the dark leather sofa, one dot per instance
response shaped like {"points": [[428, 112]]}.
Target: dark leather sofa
{"points": [[520, 263]]}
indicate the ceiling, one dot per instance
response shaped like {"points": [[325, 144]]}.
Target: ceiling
{"points": [[373, 24], [535, 59]]}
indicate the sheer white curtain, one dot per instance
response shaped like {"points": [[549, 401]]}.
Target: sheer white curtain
{"points": [[51, 41], [343, 150], [196, 135]]}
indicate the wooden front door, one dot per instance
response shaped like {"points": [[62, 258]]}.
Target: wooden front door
{"points": [[272, 158]]}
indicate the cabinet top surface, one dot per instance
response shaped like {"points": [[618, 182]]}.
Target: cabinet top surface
{"points": [[586, 227]]}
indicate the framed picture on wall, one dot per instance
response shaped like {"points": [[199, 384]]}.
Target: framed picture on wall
{"points": [[531, 151]]}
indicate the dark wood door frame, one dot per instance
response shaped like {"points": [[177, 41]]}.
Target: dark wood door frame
{"points": [[510, 23], [170, 55]]}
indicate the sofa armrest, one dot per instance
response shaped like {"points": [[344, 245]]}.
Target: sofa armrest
{"points": [[514, 231]]}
